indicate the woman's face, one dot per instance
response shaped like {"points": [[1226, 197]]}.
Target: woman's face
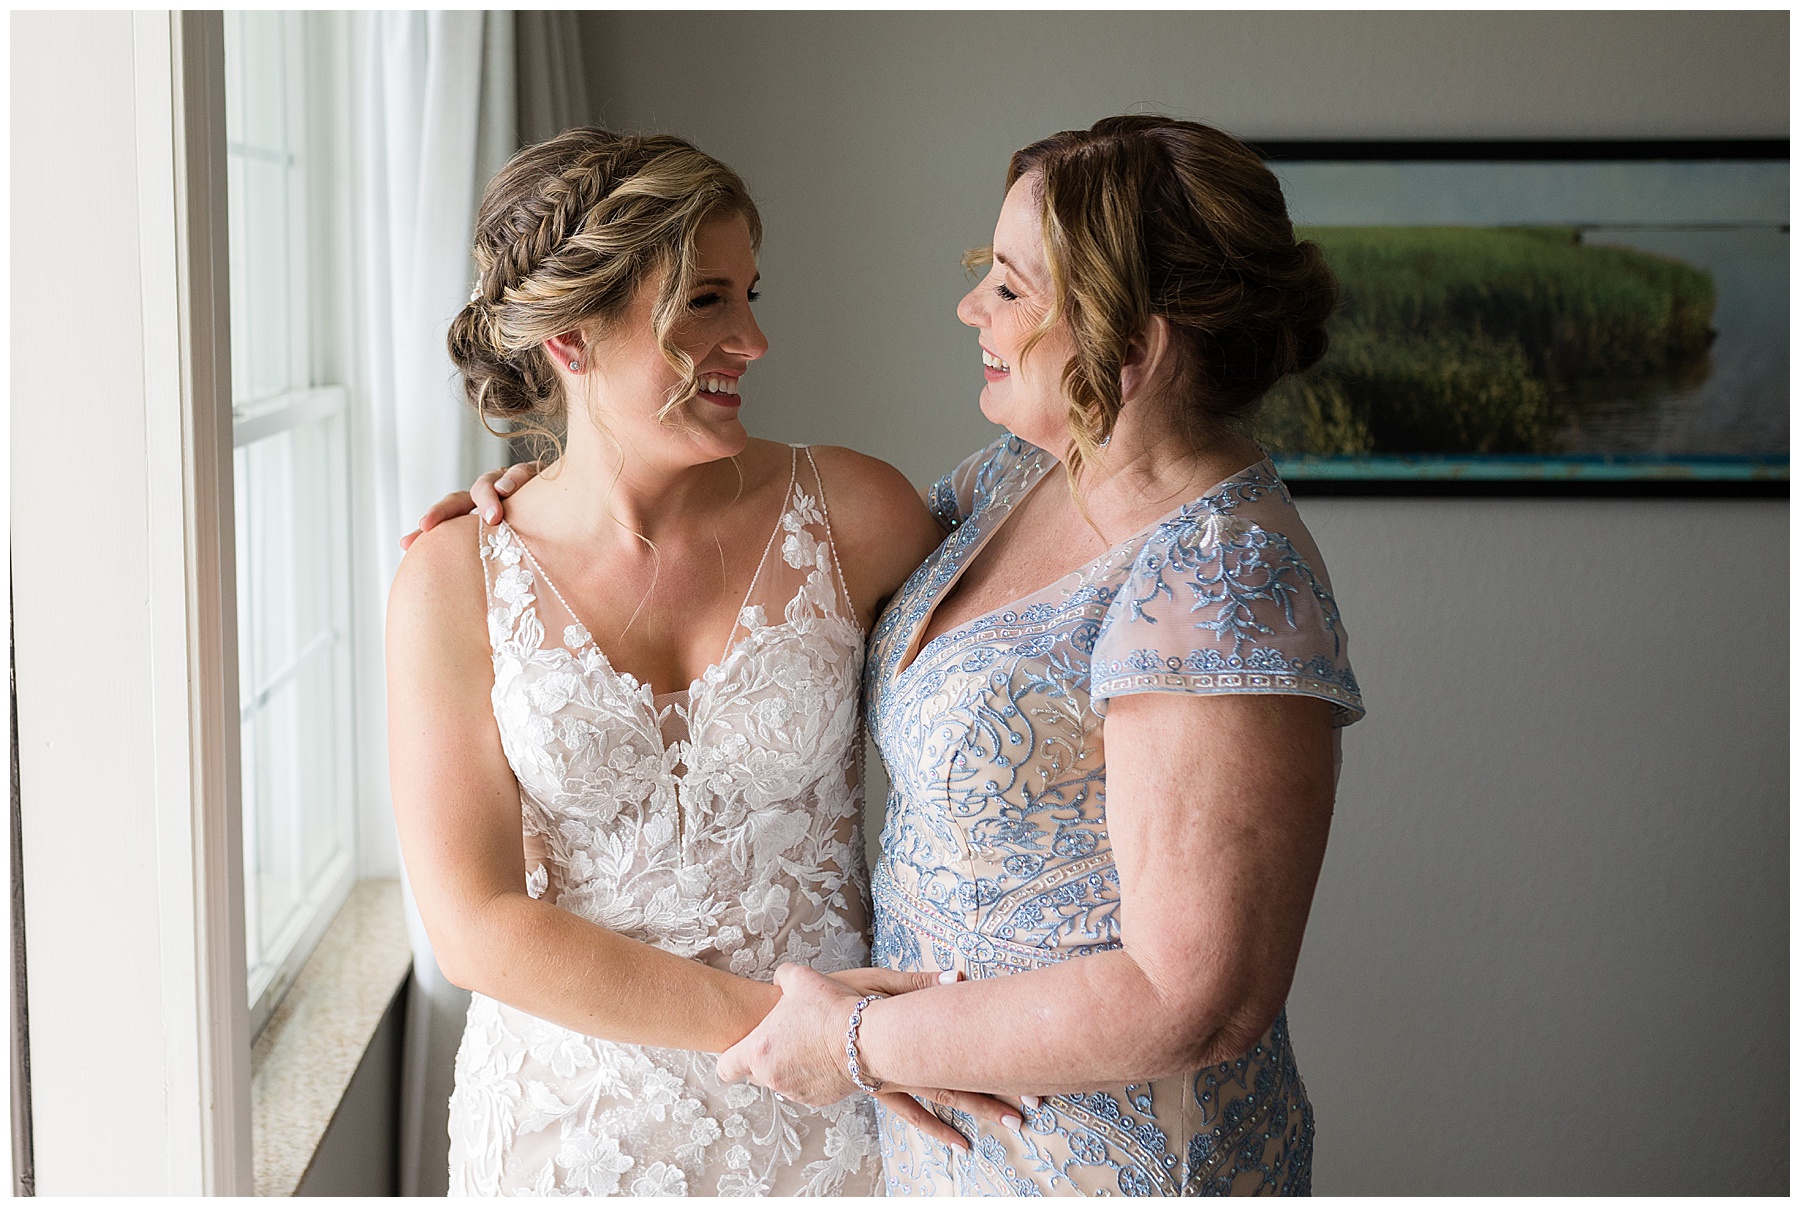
{"points": [[1023, 393], [632, 381]]}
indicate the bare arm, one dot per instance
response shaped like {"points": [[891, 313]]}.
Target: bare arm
{"points": [[456, 804], [1218, 808], [457, 807]]}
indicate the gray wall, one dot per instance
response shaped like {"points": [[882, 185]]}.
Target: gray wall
{"points": [[1549, 951]]}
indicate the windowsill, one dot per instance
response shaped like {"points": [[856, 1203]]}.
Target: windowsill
{"points": [[304, 1059]]}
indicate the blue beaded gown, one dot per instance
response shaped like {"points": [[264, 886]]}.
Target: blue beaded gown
{"points": [[994, 855]]}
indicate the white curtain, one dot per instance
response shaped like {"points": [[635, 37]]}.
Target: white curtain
{"points": [[553, 91], [442, 101], [437, 107]]}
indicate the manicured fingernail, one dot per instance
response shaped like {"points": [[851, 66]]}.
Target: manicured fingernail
{"points": [[1030, 1102], [493, 515], [503, 486], [1012, 1121], [949, 978]]}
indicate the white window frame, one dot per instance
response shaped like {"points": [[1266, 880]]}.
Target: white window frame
{"points": [[125, 599], [268, 414], [287, 953], [126, 665]]}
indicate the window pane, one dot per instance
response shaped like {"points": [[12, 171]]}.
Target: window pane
{"points": [[246, 646], [317, 739], [292, 546], [278, 797], [266, 189], [240, 286], [234, 66], [264, 81], [294, 550], [274, 583], [253, 944], [312, 537], [295, 691]]}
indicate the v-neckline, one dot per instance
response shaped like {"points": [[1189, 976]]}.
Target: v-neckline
{"points": [[909, 655], [731, 647], [915, 648]]}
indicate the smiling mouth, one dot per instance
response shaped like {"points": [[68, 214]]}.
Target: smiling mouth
{"points": [[719, 389], [992, 367]]}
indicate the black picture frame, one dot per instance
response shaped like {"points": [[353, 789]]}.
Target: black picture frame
{"points": [[1278, 152]]}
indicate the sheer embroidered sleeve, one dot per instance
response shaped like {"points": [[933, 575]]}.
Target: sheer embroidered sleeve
{"points": [[1217, 604], [956, 496]]}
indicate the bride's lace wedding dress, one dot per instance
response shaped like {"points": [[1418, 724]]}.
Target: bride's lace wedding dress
{"points": [[722, 823]]}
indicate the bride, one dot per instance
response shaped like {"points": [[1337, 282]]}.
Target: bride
{"points": [[623, 721]]}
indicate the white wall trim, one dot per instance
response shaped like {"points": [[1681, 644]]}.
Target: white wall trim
{"points": [[15, 1160], [187, 421], [201, 605], [126, 609]]}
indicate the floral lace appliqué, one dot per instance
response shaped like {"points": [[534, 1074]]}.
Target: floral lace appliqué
{"points": [[996, 856], [738, 844]]}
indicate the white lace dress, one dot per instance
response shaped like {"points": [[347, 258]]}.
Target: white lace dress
{"points": [[722, 823]]}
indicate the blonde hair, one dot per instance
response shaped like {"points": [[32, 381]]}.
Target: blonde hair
{"points": [[566, 233], [1145, 217]]}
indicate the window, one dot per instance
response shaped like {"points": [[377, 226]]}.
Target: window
{"points": [[291, 457]]}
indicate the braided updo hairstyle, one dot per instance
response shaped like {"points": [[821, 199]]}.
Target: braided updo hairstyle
{"points": [[1146, 216], [566, 232]]}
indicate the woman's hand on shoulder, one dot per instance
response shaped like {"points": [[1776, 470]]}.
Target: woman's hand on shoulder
{"points": [[487, 496], [880, 525]]}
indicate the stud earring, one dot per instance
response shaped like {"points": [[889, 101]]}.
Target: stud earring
{"points": [[574, 367]]}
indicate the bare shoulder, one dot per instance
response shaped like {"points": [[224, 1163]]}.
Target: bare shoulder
{"points": [[438, 598], [765, 465], [866, 490], [882, 527]]}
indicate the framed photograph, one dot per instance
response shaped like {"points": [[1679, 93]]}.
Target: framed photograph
{"points": [[1570, 318]]}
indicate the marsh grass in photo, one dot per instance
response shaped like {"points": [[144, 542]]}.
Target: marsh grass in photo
{"points": [[1486, 340]]}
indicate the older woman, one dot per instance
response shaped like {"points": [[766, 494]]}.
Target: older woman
{"points": [[1109, 705], [1109, 702]]}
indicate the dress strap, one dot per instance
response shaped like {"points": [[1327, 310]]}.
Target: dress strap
{"points": [[512, 593], [798, 580], [511, 598], [486, 553], [843, 584], [762, 565], [576, 632]]}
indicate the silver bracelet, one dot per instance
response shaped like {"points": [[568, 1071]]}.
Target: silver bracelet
{"points": [[850, 1055]]}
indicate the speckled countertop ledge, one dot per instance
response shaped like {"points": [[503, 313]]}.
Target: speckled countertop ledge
{"points": [[304, 1059]]}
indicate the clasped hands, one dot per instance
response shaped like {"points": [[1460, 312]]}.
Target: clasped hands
{"points": [[798, 1050]]}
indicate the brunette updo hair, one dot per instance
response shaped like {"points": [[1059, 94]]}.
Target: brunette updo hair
{"points": [[1147, 216], [566, 232]]}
